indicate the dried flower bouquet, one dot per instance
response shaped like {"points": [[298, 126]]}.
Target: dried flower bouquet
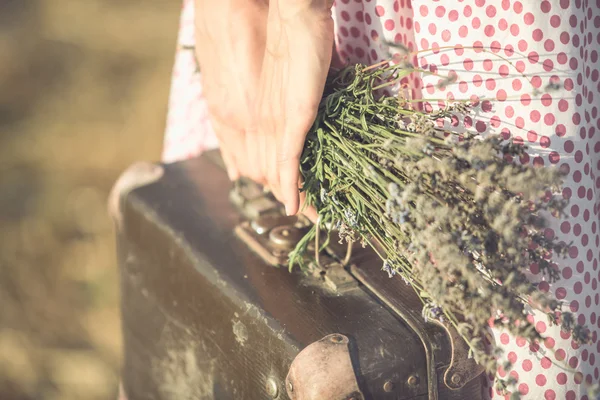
{"points": [[451, 214]]}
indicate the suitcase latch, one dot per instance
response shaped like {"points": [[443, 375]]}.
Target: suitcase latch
{"points": [[273, 235], [253, 201]]}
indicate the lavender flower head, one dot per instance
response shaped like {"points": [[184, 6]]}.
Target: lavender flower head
{"points": [[387, 267], [351, 217]]}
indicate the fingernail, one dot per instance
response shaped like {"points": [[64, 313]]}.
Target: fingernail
{"points": [[287, 211]]}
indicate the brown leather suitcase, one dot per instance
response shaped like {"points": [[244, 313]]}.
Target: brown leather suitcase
{"points": [[207, 315]]}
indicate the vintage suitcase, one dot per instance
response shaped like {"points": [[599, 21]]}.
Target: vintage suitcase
{"points": [[206, 315]]}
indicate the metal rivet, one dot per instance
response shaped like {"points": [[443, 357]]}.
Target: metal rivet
{"points": [[455, 379], [413, 380], [279, 253], [337, 339], [388, 386], [290, 387], [285, 236], [271, 387]]}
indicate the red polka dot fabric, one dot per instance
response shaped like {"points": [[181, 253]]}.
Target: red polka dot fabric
{"points": [[532, 70]]}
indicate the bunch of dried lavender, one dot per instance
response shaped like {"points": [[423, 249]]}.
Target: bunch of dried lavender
{"points": [[450, 214]]}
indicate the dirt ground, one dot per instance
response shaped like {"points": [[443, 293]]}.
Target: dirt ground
{"points": [[83, 93]]}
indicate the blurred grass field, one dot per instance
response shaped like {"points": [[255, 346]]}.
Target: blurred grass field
{"points": [[83, 93]]}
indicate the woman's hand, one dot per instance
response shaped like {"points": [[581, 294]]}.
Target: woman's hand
{"points": [[230, 48], [264, 66], [298, 56]]}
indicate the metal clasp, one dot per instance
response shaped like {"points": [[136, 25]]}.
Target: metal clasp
{"points": [[273, 235]]}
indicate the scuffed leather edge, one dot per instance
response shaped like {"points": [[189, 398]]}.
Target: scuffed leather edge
{"points": [[138, 174]]}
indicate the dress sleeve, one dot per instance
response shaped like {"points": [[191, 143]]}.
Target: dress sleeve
{"points": [[188, 131]]}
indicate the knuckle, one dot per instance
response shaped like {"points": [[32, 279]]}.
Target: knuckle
{"points": [[266, 123], [223, 115], [302, 121], [252, 130], [266, 118], [261, 114], [220, 112], [308, 108], [286, 158]]}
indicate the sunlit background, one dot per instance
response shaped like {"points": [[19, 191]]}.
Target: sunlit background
{"points": [[83, 93]]}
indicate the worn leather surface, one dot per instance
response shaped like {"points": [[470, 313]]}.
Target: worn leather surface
{"points": [[204, 317]]}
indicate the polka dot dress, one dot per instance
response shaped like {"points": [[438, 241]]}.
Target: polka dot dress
{"points": [[188, 132], [531, 68]]}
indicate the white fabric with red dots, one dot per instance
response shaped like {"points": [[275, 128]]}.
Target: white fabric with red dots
{"points": [[532, 69]]}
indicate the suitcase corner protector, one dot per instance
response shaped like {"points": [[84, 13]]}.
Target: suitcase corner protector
{"points": [[136, 175]]}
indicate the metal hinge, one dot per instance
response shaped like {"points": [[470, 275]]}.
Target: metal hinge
{"points": [[253, 201]]}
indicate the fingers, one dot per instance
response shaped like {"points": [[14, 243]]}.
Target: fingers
{"points": [[297, 58], [232, 144], [289, 192], [263, 157], [272, 171], [309, 212], [230, 165], [254, 168], [288, 161]]}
